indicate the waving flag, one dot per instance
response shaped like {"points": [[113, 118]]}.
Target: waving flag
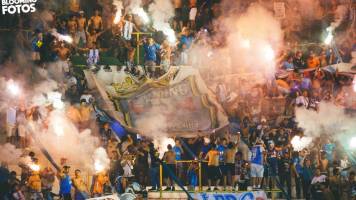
{"points": [[114, 124]]}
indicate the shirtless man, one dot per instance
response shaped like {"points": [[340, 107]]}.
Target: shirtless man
{"points": [[74, 6], [170, 158], [96, 22], [63, 54], [81, 22], [92, 37], [72, 25]]}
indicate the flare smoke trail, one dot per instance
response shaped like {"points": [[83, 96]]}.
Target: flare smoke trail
{"points": [[162, 11], [101, 160], [119, 7]]}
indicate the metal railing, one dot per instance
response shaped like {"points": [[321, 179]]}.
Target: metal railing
{"points": [[273, 192]]}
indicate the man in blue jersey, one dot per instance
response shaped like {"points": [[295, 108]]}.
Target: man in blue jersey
{"points": [[221, 149], [151, 49], [65, 184], [257, 158], [179, 151]]}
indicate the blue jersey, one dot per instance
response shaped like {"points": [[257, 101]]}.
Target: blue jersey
{"points": [[221, 149], [178, 152], [329, 148], [257, 155], [298, 165], [65, 185], [151, 52]]}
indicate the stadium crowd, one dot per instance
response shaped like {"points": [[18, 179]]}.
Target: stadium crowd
{"points": [[253, 153]]}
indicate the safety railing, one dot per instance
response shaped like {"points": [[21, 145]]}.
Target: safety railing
{"points": [[139, 51], [183, 165]]}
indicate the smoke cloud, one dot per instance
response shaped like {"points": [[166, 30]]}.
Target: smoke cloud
{"points": [[161, 12], [330, 120], [245, 43], [9, 154]]}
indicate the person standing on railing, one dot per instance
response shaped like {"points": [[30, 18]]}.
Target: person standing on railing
{"points": [[170, 158], [151, 48], [81, 35], [127, 29], [214, 172]]}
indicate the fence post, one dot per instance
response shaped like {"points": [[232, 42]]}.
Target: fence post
{"points": [[160, 180], [200, 181], [138, 48]]}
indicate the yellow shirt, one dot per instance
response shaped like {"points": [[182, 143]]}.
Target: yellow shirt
{"points": [[313, 62], [99, 184], [34, 182], [213, 158]]}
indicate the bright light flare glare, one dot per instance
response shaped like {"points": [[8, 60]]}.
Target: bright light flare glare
{"points": [[117, 17], [99, 167], [34, 167], [329, 37], [269, 53], [352, 143], [13, 88]]}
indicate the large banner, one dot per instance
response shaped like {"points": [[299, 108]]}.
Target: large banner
{"points": [[179, 108], [257, 195], [109, 197]]}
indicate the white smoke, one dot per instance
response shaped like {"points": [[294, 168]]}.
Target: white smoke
{"points": [[329, 120], [341, 14], [299, 143], [118, 5], [62, 139], [162, 11], [135, 7], [248, 43], [9, 154], [60, 37]]}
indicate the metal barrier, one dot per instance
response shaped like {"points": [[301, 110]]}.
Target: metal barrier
{"points": [[138, 53], [273, 192]]}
